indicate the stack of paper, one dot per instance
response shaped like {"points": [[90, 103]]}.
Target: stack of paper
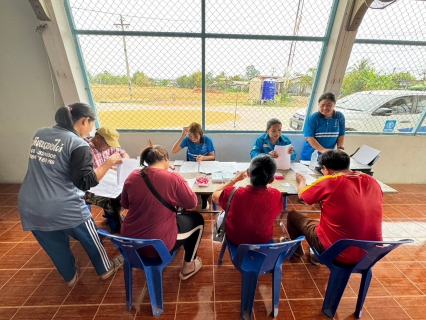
{"points": [[227, 176], [108, 186], [217, 177]]}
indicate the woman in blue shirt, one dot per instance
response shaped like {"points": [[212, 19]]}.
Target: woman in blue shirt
{"points": [[200, 148], [325, 129], [266, 143]]}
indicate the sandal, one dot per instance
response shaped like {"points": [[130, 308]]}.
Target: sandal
{"points": [[76, 276], [197, 266], [116, 264]]}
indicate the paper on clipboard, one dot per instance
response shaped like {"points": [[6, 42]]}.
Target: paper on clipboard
{"points": [[283, 161], [365, 154]]}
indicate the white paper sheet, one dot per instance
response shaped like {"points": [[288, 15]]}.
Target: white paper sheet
{"points": [[190, 182], [124, 169], [300, 168], [189, 167], [208, 167], [227, 167], [283, 161], [178, 162], [108, 186], [365, 154], [241, 166], [309, 179]]}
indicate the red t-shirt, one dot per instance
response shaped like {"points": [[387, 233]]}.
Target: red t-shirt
{"points": [[351, 208], [252, 214], [147, 217]]}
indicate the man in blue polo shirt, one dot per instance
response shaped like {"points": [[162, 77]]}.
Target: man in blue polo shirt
{"points": [[324, 129]]}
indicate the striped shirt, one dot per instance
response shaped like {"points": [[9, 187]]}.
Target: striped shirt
{"points": [[100, 157], [325, 131]]}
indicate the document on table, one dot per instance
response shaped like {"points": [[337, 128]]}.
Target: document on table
{"points": [[189, 167], [190, 182], [124, 169], [309, 179], [227, 167], [208, 167], [365, 154], [178, 162], [108, 186], [242, 166], [300, 168], [283, 161]]}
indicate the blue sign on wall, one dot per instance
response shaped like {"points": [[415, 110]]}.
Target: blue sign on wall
{"points": [[389, 126]]}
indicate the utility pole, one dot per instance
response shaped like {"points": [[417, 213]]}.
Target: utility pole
{"points": [[297, 22], [122, 24]]}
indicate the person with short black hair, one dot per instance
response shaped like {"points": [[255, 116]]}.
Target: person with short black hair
{"points": [[351, 208], [51, 200], [265, 144], [324, 129], [254, 207], [148, 218]]}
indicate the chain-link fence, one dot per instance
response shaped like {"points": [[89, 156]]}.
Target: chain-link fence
{"points": [[384, 86], [232, 65]]}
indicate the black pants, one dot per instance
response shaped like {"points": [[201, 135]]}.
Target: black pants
{"points": [[190, 231]]}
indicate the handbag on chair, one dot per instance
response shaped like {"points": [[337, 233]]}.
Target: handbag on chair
{"points": [[219, 224]]}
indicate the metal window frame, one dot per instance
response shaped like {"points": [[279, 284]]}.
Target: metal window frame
{"points": [[203, 36]]}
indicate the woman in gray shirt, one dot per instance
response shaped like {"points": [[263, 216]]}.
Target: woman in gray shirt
{"points": [[51, 200]]}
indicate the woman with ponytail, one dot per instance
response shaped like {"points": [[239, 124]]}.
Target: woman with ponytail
{"points": [[254, 207], [51, 200], [148, 218]]}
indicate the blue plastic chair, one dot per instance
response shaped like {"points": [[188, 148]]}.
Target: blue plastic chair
{"points": [[340, 273], [153, 267], [252, 260]]}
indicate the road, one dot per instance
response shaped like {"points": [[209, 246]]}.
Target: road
{"points": [[251, 118]]}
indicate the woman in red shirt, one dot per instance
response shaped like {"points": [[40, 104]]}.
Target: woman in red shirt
{"points": [[254, 207], [148, 218]]}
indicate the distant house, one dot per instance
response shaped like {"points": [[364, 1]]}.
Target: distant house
{"points": [[295, 87], [256, 85]]}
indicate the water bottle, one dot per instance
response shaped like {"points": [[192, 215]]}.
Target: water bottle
{"points": [[314, 159]]}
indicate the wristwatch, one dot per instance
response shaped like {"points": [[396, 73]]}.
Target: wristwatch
{"points": [[341, 148]]}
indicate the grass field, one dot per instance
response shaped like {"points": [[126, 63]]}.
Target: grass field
{"points": [[172, 107]]}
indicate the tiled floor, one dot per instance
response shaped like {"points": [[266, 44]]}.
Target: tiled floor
{"points": [[31, 288]]}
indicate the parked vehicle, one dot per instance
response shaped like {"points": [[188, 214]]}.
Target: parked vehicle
{"points": [[376, 111]]}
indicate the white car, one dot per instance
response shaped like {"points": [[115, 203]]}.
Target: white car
{"points": [[376, 111]]}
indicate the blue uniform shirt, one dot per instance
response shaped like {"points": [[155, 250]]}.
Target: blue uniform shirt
{"points": [[325, 131], [263, 145], [195, 149]]}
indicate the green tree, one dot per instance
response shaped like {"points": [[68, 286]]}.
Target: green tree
{"points": [[140, 79], [195, 80], [251, 72], [183, 82], [307, 79], [164, 83], [105, 78]]}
